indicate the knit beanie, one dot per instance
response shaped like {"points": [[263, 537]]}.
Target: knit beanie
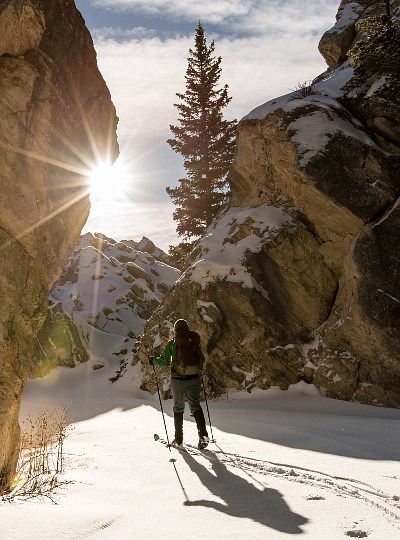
{"points": [[181, 325]]}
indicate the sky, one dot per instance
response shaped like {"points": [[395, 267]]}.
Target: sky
{"points": [[267, 48]]}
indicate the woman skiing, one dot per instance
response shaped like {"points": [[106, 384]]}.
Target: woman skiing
{"points": [[186, 359]]}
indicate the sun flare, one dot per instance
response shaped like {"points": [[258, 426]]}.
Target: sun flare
{"points": [[107, 181]]}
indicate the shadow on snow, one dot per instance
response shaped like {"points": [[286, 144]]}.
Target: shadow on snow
{"points": [[242, 499]]}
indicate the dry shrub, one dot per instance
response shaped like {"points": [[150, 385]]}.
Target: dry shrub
{"points": [[303, 90], [41, 455]]}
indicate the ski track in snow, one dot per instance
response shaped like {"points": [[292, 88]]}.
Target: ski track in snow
{"points": [[390, 505], [97, 527], [387, 504]]}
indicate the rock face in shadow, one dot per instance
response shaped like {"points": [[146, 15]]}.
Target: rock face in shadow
{"points": [[56, 119], [298, 279]]}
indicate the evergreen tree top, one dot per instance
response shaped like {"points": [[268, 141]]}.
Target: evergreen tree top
{"points": [[204, 139]]}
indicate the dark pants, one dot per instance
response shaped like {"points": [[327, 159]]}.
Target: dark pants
{"points": [[190, 389]]}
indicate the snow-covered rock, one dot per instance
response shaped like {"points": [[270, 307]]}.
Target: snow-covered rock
{"points": [[298, 279], [110, 286]]}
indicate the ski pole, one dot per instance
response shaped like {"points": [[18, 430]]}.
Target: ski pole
{"points": [[208, 411], [162, 410]]}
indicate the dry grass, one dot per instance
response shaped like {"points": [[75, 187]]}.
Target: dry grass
{"points": [[41, 455], [304, 89]]}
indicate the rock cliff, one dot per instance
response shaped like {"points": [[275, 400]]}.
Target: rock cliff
{"points": [[298, 279], [56, 117]]}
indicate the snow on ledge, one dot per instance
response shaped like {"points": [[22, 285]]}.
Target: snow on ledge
{"points": [[221, 256], [331, 86], [347, 15]]}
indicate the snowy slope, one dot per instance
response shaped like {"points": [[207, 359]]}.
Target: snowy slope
{"points": [[285, 463]]}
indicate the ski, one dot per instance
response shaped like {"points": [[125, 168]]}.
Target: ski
{"points": [[189, 448], [165, 443]]}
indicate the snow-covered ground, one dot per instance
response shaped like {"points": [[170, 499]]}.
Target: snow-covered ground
{"points": [[285, 463]]}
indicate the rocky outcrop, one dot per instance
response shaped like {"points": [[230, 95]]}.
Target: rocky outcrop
{"points": [[337, 41], [107, 289], [298, 278], [56, 117]]}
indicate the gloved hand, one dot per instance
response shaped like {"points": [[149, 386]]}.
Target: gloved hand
{"points": [[151, 360]]}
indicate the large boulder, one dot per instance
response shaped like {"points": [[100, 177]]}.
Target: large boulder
{"points": [[298, 278], [56, 117], [337, 41]]}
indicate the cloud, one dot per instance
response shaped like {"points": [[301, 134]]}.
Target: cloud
{"points": [[144, 71], [235, 16], [144, 75], [293, 18], [183, 10], [122, 34]]}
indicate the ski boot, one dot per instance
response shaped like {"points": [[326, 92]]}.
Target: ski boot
{"points": [[203, 442], [202, 430], [177, 444], [178, 422]]}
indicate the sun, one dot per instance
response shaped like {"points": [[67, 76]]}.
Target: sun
{"points": [[107, 181]]}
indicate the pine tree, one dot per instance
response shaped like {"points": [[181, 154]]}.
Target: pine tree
{"points": [[204, 139], [379, 52], [177, 255]]}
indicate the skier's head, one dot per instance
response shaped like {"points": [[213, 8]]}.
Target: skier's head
{"points": [[181, 326]]}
